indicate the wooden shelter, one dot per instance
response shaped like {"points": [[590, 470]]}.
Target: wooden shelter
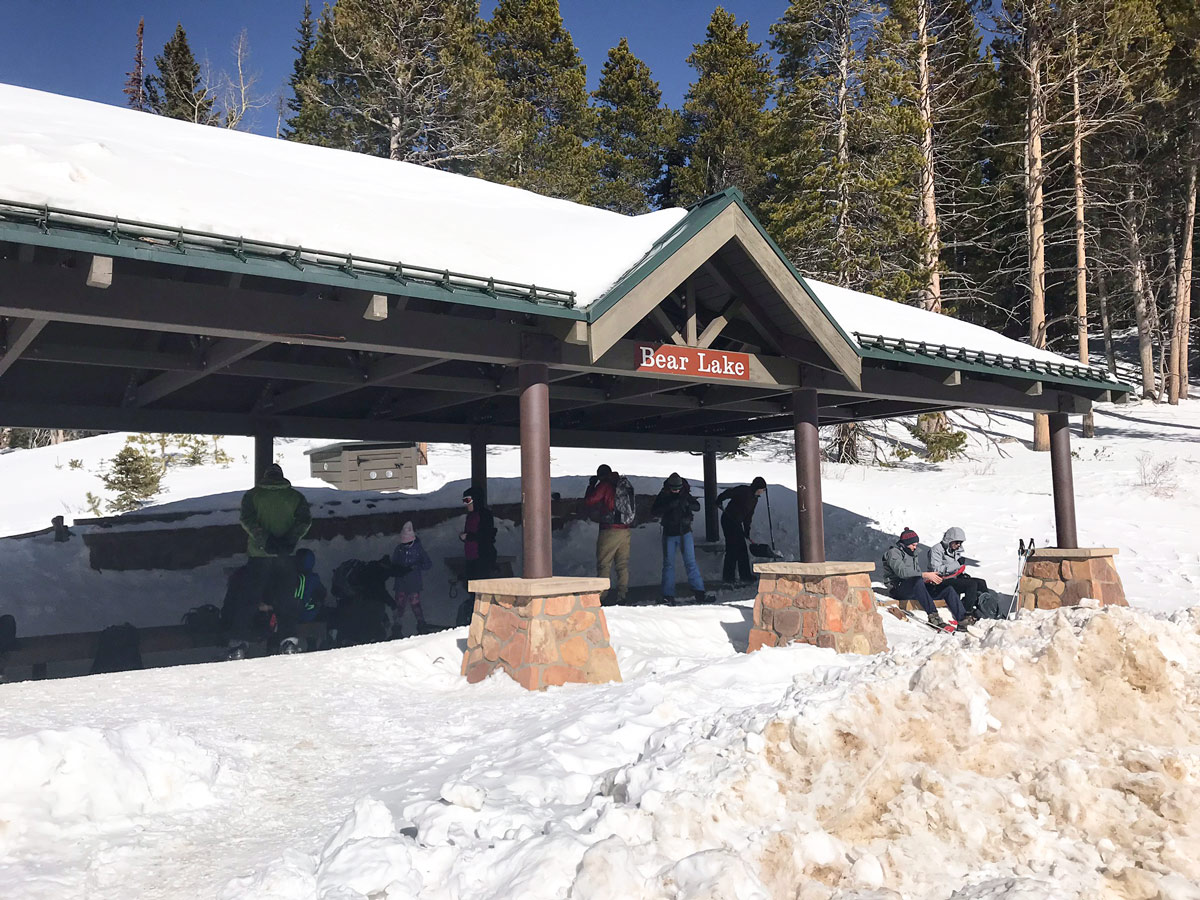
{"points": [[115, 322]]}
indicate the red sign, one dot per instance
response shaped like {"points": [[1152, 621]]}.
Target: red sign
{"points": [[672, 360]]}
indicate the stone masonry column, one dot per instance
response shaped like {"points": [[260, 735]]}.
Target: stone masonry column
{"points": [[1056, 576], [828, 604], [541, 632]]}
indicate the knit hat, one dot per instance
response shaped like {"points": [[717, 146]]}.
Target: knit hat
{"points": [[274, 470], [908, 536], [470, 492], [407, 534], [674, 482], [759, 483], [604, 470]]}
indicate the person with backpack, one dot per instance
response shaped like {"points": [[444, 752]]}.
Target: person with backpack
{"points": [[360, 588], [675, 508], [945, 558], [610, 502], [275, 516], [737, 515], [479, 547], [409, 561], [906, 580]]}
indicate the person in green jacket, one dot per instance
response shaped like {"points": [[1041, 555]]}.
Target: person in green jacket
{"points": [[275, 516]]}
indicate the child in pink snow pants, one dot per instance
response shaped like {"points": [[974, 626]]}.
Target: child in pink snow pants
{"points": [[409, 560]]}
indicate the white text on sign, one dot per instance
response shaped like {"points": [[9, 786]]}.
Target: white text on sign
{"points": [[693, 362]]}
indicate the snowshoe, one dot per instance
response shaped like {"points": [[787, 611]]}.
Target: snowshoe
{"points": [[290, 645], [702, 597], [237, 650]]}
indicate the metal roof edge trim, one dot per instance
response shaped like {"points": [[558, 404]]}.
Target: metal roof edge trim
{"points": [[288, 264], [989, 368]]}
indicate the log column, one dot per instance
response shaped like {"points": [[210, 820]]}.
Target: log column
{"points": [[535, 469], [479, 468], [1063, 482], [712, 530], [264, 453], [808, 476]]}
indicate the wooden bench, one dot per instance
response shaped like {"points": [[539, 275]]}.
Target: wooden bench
{"points": [[40, 650]]}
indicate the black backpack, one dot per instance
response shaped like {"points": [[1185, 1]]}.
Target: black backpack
{"points": [[118, 650]]}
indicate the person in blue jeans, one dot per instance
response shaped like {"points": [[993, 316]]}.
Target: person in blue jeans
{"points": [[674, 507]]}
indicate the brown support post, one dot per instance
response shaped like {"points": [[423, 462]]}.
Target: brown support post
{"points": [[535, 469], [711, 511], [1063, 482], [264, 454], [479, 468], [808, 476]]}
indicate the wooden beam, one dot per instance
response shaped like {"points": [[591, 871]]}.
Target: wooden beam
{"points": [[383, 372], [666, 326], [18, 335], [377, 308], [100, 272], [714, 328], [216, 356], [637, 303], [97, 418], [690, 303], [727, 278]]}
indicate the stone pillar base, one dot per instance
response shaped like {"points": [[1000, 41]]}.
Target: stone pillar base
{"points": [[827, 604], [1054, 578], [540, 631]]}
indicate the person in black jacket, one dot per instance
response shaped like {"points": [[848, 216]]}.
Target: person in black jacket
{"points": [[737, 515], [674, 507]]}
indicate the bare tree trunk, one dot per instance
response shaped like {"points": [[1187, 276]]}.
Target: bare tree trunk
{"points": [[1183, 287], [1081, 304], [1034, 184], [843, 138], [930, 250], [1110, 352], [1140, 307]]}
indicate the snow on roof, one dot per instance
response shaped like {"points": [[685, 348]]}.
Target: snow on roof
{"points": [[866, 314], [89, 157]]}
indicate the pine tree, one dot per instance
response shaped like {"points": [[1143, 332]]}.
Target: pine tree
{"points": [[405, 79], [724, 114], [177, 90], [135, 477], [632, 130], [546, 117], [295, 123], [135, 79], [846, 160]]}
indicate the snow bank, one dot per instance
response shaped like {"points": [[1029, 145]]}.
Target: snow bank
{"points": [[76, 777], [1055, 757], [109, 161]]}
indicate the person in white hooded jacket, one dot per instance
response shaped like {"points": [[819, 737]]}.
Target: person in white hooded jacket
{"points": [[945, 558]]}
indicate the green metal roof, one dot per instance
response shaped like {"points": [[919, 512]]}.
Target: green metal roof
{"points": [[87, 233]]}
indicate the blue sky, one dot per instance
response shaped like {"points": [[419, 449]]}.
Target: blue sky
{"points": [[84, 47]]}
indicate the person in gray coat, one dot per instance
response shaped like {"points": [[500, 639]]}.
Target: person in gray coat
{"points": [[906, 580], [945, 558]]}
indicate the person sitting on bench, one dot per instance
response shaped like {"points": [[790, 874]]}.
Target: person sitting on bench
{"points": [[906, 581], [945, 558]]}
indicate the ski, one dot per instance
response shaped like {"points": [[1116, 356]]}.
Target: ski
{"points": [[911, 616], [1024, 552]]}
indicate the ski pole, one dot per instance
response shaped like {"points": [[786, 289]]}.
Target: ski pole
{"points": [[770, 524]]}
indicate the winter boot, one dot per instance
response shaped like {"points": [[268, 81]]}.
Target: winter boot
{"points": [[290, 645], [702, 597], [237, 650], [668, 600], [936, 621], [967, 621]]}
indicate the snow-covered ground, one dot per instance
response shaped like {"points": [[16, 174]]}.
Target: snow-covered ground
{"points": [[1056, 757]]}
